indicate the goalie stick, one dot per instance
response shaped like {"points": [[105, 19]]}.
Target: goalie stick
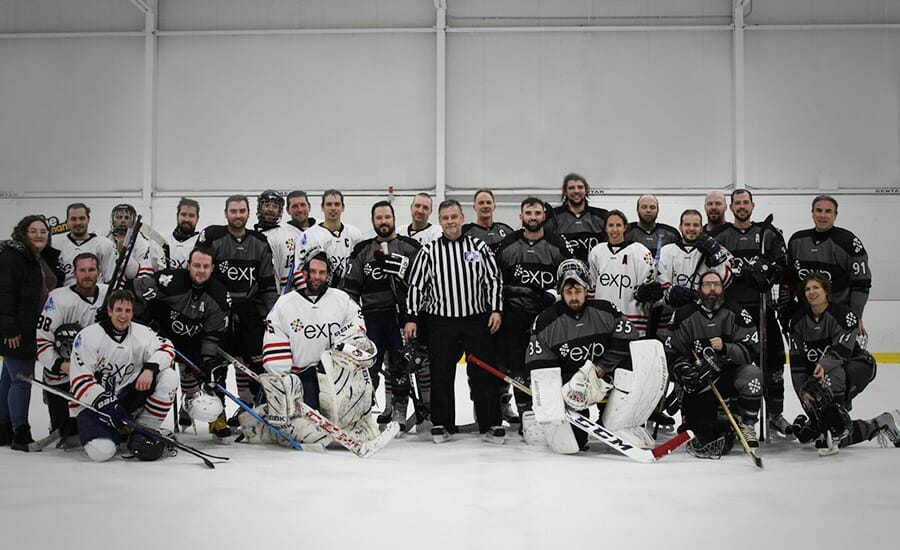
{"points": [[154, 235], [293, 442], [362, 449], [118, 279], [599, 432], [149, 432], [763, 332]]}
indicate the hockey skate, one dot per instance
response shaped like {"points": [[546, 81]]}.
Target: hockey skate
{"points": [[779, 424], [712, 450], [495, 436], [749, 432], [399, 416], [387, 414], [439, 435], [220, 430], [826, 445], [507, 412], [888, 432]]}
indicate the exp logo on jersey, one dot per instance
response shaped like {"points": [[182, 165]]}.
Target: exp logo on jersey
{"points": [[615, 280], [580, 241], [578, 353], [238, 271], [536, 276]]}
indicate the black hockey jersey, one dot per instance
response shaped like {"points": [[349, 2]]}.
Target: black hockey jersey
{"points": [[581, 232], [599, 333], [656, 238], [529, 271], [244, 266], [841, 256], [378, 294], [746, 246], [492, 236], [193, 317], [694, 325], [827, 338]]}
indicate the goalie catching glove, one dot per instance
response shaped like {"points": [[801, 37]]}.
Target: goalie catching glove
{"points": [[585, 388]]}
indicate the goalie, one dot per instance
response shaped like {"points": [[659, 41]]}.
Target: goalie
{"points": [[315, 351], [585, 345]]}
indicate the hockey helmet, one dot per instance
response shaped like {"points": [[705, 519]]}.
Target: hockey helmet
{"points": [[64, 336], [574, 270], [273, 197], [121, 210], [144, 447], [204, 407], [414, 356]]}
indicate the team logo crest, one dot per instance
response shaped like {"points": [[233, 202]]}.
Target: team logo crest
{"points": [[49, 306], [77, 343], [851, 319], [471, 256], [297, 325], [165, 280], [857, 245]]}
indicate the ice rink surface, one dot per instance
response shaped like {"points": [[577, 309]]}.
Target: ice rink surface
{"points": [[459, 495]]}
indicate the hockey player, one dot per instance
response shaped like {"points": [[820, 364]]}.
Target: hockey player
{"points": [[243, 263], [681, 264], [147, 257], [484, 227], [78, 217], [184, 236], [829, 369], [646, 230], [528, 260], [191, 309], [579, 225], [714, 204], [753, 275], [715, 340], [298, 209], [586, 339], [376, 279], [420, 228], [618, 267], [125, 370], [835, 251], [337, 239], [68, 310], [269, 209]]}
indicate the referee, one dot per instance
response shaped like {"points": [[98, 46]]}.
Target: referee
{"points": [[455, 283]]}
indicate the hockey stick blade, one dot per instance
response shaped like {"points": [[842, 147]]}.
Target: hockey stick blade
{"points": [[41, 444], [599, 432], [740, 435], [149, 432]]}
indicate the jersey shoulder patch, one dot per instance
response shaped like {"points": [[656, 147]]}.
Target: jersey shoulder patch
{"points": [[741, 315], [683, 313], [848, 241]]}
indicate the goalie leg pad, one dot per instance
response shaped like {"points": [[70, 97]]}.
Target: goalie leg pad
{"points": [[546, 389], [637, 392], [561, 438], [345, 390], [534, 432]]}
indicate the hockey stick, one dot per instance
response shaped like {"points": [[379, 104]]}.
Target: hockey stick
{"points": [[41, 444], [118, 279], [154, 235], [240, 403], [361, 449], [149, 432], [595, 429], [763, 333], [755, 459]]}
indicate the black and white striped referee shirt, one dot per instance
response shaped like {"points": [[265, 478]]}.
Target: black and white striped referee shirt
{"points": [[454, 279]]}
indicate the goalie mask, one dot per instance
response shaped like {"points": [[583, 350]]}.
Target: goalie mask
{"points": [[121, 218], [572, 270], [64, 336], [204, 407], [265, 215]]}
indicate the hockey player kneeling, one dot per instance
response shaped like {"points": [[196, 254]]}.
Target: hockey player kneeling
{"points": [[344, 396], [124, 370], [585, 343]]}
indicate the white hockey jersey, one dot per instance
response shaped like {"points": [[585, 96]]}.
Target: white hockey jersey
{"points": [[299, 329], [98, 245], [424, 236], [684, 265], [147, 258], [337, 245], [180, 251], [68, 309], [616, 271], [100, 363], [282, 241]]}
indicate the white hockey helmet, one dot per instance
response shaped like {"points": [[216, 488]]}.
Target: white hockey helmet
{"points": [[574, 270], [204, 407]]}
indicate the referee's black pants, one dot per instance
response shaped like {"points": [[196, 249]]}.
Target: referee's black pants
{"points": [[448, 338]]}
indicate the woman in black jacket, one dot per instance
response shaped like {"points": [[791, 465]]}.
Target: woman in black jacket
{"points": [[29, 270]]}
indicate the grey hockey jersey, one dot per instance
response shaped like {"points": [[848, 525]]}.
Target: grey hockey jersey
{"points": [[379, 294], [529, 271], [581, 232], [694, 325], [827, 339], [745, 246], [243, 265]]}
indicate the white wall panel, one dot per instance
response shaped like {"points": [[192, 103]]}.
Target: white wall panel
{"points": [[69, 16], [71, 114], [626, 110], [245, 113], [480, 13], [823, 102], [808, 12]]}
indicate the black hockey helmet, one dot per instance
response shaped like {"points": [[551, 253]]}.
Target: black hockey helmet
{"points": [[119, 208], [269, 195], [414, 356], [144, 447], [574, 270]]}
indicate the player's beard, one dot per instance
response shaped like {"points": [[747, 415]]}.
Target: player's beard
{"points": [[741, 218], [186, 228], [384, 230], [534, 226], [711, 303]]}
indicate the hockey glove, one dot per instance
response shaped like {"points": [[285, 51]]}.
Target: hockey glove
{"points": [[803, 429], [648, 293], [112, 412], [714, 362], [712, 250], [677, 296], [763, 275], [395, 264]]}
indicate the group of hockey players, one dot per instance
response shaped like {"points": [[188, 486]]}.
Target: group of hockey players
{"points": [[628, 321]]}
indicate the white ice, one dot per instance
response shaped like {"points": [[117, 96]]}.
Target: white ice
{"points": [[459, 495]]}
